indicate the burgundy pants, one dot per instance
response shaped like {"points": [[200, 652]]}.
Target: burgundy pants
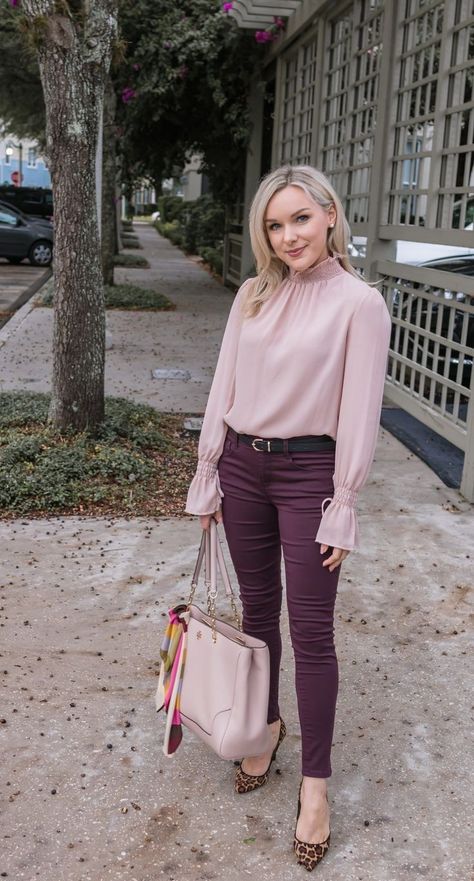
{"points": [[273, 501]]}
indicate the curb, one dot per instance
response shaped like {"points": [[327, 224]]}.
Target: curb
{"points": [[22, 313]]}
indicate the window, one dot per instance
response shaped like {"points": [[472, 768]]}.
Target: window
{"points": [[298, 84], [418, 112], [353, 56], [32, 157], [7, 218]]}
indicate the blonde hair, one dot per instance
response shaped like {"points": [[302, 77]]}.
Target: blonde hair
{"points": [[271, 271]]}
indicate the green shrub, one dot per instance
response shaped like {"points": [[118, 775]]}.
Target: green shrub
{"points": [[44, 470], [22, 408], [128, 296], [121, 296], [131, 244], [171, 230], [170, 208], [204, 224], [149, 209], [199, 226], [137, 423], [131, 260], [214, 257]]}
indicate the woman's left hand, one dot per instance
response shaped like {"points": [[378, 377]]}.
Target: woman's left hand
{"points": [[336, 558]]}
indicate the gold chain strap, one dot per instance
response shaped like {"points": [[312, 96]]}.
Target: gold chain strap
{"points": [[212, 594]]}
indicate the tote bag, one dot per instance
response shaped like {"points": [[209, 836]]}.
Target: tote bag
{"points": [[214, 679]]}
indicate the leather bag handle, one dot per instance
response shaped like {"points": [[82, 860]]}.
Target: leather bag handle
{"points": [[210, 551]]}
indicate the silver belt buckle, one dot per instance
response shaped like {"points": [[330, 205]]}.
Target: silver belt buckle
{"points": [[255, 440]]}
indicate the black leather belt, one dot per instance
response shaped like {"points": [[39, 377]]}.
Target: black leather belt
{"points": [[281, 445]]}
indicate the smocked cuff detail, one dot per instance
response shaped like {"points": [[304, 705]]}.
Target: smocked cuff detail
{"points": [[205, 491], [345, 496], [339, 527], [206, 469]]}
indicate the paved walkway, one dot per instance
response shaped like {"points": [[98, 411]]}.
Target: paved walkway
{"points": [[87, 792], [142, 341], [17, 284]]}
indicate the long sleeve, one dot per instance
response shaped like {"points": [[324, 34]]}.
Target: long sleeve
{"points": [[204, 493], [358, 420]]}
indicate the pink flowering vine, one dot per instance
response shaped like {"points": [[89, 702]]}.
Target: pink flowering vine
{"points": [[226, 7], [263, 36], [128, 94], [272, 32]]}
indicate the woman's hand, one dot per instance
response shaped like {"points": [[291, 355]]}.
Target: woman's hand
{"points": [[205, 519], [336, 558]]}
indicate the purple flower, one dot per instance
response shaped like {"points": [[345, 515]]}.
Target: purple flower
{"points": [[136, 66], [183, 71], [167, 44], [263, 37], [128, 94], [226, 7], [15, 2], [279, 22]]}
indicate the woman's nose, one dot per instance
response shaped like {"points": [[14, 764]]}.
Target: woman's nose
{"points": [[290, 234]]}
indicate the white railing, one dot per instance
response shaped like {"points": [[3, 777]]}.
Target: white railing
{"points": [[430, 365]]}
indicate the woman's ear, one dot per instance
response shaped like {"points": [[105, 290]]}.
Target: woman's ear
{"points": [[332, 214]]}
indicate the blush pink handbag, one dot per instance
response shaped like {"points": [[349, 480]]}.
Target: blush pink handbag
{"points": [[214, 679]]}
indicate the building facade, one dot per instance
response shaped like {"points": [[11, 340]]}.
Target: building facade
{"points": [[378, 94], [21, 162]]}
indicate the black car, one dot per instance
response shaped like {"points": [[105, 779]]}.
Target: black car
{"points": [[34, 201], [22, 237], [40, 221], [454, 325]]}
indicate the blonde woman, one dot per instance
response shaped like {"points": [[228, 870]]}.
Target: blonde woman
{"points": [[287, 441]]}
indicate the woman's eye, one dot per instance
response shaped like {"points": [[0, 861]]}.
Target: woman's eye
{"points": [[303, 217], [274, 226]]}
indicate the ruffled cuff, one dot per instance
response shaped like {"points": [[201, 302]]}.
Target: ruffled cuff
{"points": [[204, 493], [339, 527]]}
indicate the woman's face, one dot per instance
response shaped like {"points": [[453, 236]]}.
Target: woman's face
{"points": [[297, 227]]}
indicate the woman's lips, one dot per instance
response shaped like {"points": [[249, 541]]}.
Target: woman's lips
{"points": [[297, 252]]}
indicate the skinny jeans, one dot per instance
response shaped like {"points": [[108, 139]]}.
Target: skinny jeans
{"points": [[272, 502]]}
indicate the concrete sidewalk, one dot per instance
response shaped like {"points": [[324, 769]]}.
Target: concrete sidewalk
{"points": [[17, 285], [87, 792], [142, 341]]}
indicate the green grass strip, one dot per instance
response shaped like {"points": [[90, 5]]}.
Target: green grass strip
{"points": [[120, 296]]}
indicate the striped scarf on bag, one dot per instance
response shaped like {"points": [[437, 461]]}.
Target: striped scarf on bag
{"points": [[170, 683]]}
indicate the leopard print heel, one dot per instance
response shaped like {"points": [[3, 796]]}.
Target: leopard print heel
{"points": [[309, 855], [248, 782]]}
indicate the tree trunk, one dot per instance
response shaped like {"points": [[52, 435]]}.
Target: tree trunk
{"points": [[74, 58], [109, 186], [118, 220]]}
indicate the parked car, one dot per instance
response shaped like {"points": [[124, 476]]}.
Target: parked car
{"points": [[22, 238], [41, 221], [450, 326], [34, 201]]}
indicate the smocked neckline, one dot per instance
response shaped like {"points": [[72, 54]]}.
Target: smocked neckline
{"points": [[327, 268]]}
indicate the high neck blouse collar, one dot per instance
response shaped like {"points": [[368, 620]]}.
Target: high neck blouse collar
{"points": [[327, 268]]}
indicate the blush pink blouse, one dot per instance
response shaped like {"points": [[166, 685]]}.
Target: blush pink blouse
{"points": [[313, 361]]}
